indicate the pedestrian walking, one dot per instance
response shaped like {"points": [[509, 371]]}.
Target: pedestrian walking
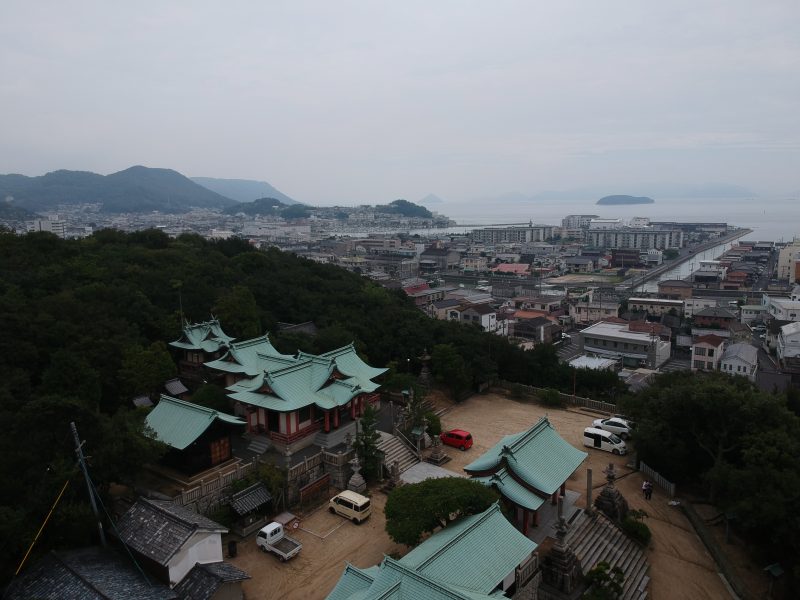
{"points": [[644, 489], [648, 490]]}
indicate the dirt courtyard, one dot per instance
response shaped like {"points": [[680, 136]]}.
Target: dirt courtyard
{"points": [[680, 566]]}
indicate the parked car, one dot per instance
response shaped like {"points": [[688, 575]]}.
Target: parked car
{"points": [[273, 538], [604, 440], [351, 505], [621, 427], [458, 438]]}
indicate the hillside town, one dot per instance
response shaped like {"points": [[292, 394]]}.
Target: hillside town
{"points": [[598, 291]]}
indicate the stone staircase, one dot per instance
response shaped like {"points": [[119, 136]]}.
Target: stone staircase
{"points": [[335, 436], [595, 538], [395, 450], [259, 444]]}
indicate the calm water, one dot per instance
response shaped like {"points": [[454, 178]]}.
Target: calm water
{"points": [[769, 218]]}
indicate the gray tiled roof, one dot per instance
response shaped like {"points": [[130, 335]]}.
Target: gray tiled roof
{"points": [[202, 582], [85, 574], [250, 498], [175, 387], [158, 529]]}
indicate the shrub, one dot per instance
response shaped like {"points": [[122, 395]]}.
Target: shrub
{"points": [[637, 530], [518, 391], [434, 423], [550, 397]]}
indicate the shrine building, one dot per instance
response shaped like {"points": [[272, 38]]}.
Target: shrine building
{"points": [[527, 469]]}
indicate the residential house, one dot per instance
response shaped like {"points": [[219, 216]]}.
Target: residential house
{"points": [[740, 359], [580, 264], [441, 310], [534, 326], [198, 437], [438, 259], [590, 311], [478, 557], [675, 288], [474, 262], [527, 469], [784, 309], [789, 345], [480, 314], [707, 352], [212, 581], [169, 540], [714, 317], [752, 313], [423, 294], [85, 574], [615, 339], [695, 305], [291, 398], [655, 306]]}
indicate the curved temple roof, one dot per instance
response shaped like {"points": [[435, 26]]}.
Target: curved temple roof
{"points": [[539, 457]]}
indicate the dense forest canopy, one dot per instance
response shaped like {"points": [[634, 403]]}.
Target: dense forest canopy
{"points": [[85, 325]]}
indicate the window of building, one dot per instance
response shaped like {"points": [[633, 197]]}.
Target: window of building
{"points": [[698, 364], [700, 351], [710, 352]]}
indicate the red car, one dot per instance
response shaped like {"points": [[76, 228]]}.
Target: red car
{"points": [[458, 438]]}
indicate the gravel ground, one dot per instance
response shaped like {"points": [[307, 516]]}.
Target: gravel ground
{"points": [[680, 567]]}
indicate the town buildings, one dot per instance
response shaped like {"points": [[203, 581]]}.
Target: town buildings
{"points": [[513, 234], [641, 238], [618, 340], [740, 359]]}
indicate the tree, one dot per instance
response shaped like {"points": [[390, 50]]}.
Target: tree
{"points": [[239, 311], [212, 396], [366, 444], [418, 508], [604, 582], [449, 369], [144, 370]]}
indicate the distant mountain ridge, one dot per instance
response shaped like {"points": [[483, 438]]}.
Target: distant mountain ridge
{"points": [[136, 189], [243, 190]]}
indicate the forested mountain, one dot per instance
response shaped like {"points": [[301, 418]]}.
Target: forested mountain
{"points": [[269, 207], [137, 189], [404, 208], [243, 190]]}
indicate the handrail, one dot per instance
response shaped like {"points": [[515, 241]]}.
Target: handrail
{"points": [[407, 442]]}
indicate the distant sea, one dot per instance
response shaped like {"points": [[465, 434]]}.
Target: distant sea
{"points": [[772, 219]]}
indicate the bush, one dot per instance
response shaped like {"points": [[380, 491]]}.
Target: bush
{"points": [[637, 530], [518, 391], [434, 423], [550, 397]]}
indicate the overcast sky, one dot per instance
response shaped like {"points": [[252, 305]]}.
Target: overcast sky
{"points": [[351, 102]]}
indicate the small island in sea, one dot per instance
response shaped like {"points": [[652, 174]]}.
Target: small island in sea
{"points": [[622, 199]]}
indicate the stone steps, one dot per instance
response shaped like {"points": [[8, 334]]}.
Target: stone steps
{"points": [[596, 538], [259, 444], [395, 450]]}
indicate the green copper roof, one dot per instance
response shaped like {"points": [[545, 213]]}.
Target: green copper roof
{"points": [[467, 560], [295, 382], [475, 553], [179, 423], [249, 356], [539, 457], [207, 336], [510, 488], [395, 581]]}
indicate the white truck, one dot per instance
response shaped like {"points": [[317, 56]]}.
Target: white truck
{"points": [[273, 538]]}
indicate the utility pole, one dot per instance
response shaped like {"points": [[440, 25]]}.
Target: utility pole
{"points": [[82, 465]]}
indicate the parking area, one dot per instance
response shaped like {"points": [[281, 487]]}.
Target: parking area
{"points": [[680, 565]]}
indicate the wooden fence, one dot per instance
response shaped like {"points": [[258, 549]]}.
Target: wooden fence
{"points": [[209, 489], [567, 399], [658, 479]]}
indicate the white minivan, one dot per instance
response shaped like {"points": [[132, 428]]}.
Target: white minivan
{"points": [[351, 506], [603, 440]]}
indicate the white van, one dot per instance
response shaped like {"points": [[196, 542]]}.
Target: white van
{"points": [[350, 505], [603, 440]]}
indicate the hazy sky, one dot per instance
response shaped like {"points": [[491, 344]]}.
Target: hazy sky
{"points": [[352, 102]]}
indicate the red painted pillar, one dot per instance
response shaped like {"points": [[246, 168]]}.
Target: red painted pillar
{"points": [[564, 489], [288, 423], [353, 408], [554, 498], [535, 518], [327, 421], [336, 418]]}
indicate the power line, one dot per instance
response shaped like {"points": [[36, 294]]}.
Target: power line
{"points": [[38, 533]]}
